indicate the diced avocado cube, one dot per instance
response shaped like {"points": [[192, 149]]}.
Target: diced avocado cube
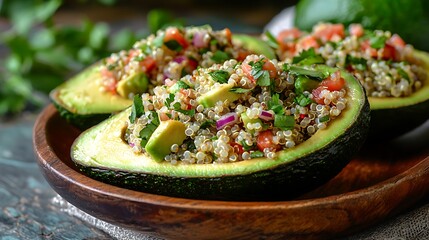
{"points": [[135, 84], [165, 135], [220, 93], [245, 119]]}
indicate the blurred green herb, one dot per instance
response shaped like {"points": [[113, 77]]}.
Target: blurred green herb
{"points": [[42, 54]]}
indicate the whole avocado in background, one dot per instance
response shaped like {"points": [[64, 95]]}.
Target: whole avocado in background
{"points": [[408, 18]]}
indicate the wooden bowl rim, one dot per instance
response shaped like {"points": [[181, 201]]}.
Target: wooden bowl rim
{"points": [[47, 157]]}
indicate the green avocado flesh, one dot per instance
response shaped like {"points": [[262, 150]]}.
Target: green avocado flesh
{"points": [[102, 153], [391, 117], [255, 44], [81, 102]]}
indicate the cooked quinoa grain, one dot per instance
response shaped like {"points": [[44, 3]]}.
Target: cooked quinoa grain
{"points": [[256, 111], [169, 54], [380, 60]]}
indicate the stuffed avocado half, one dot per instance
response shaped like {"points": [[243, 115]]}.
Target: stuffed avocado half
{"points": [[393, 73], [109, 85], [250, 130]]}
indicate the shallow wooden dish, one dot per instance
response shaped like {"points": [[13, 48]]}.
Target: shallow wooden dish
{"points": [[380, 182]]}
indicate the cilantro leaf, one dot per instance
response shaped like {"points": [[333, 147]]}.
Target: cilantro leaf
{"points": [[403, 74], [173, 45], [264, 79], [303, 100], [169, 99], [262, 76], [220, 76], [298, 70], [377, 42], [284, 122], [275, 105], [137, 110], [308, 57], [207, 124], [245, 146], [148, 130], [178, 108]]}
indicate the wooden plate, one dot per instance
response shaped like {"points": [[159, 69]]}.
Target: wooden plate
{"points": [[380, 182]]}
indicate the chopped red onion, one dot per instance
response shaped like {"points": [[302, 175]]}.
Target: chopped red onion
{"points": [[266, 115], [227, 119], [198, 40], [179, 59]]}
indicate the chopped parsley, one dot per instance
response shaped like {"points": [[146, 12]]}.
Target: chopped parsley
{"points": [[262, 76], [284, 122], [377, 42], [240, 90], [275, 105], [207, 124], [403, 74], [148, 130], [324, 118], [303, 100], [137, 110], [173, 45], [169, 99], [245, 146], [220, 76], [220, 56], [308, 57], [298, 70], [358, 63], [178, 108]]}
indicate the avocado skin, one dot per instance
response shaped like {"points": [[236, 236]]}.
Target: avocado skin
{"points": [[389, 123], [80, 121], [282, 182]]}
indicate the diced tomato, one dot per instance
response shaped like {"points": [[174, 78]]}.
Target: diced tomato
{"points": [[329, 32], [265, 140], [302, 116], [286, 39], [268, 66], [148, 64], [237, 148], [173, 33], [396, 41], [316, 94], [334, 82], [228, 34], [242, 54], [356, 30], [192, 65], [389, 52], [366, 47], [306, 43]]}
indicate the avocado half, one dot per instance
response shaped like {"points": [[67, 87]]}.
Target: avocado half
{"points": [[392, 117], [102, 153], [80, 101]]}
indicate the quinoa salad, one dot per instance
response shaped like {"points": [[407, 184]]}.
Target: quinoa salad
{"points": [[237, 111], [380, 60], [171, 53]]}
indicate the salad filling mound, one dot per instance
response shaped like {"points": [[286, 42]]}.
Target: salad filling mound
{"points": [[235, 111], [171, 53], [380, 60]]}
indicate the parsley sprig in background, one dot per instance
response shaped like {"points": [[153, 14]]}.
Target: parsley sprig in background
{"points": [[37, 54]]}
